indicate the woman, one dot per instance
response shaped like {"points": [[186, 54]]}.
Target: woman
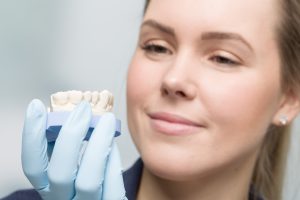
{"points": [[211, 91]]}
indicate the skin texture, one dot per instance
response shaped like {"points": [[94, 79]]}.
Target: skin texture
{"points": [[206, 61]]}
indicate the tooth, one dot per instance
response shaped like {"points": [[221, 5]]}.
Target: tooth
{"points": [[60, 98], [95, 97], [109, 108], [87, 96], [103, 101], [75, 96], [111, 102]]}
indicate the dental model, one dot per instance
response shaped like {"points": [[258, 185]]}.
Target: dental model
{"points": [[62, 103], [101, 102]]}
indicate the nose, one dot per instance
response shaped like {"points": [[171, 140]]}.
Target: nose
{"points": [[178, 82]]}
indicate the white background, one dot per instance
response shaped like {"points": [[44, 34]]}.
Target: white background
{"points": [[56, 45]]}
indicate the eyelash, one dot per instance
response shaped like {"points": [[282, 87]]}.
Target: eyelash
{"points": [[156, 49], [223, 60], [160, 49]]}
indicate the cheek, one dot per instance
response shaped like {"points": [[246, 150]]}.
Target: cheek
{"points": [[135, 87], [135, 81], [243, 104], [140, 78], [143, 79], [142, 84]]}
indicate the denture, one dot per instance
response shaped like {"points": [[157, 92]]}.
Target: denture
{"points": [[100, 102], [62, 103]]}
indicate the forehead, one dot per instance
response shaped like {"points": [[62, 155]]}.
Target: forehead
{"points": [[190, 16]]}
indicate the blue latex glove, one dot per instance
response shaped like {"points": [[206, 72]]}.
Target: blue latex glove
{"points": [[99, 174]]}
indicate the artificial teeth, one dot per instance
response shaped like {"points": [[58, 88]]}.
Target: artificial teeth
{"points": [[75, 97], [104, 99], [95, 97], [87, 96], [66, 101], [60, 98]]}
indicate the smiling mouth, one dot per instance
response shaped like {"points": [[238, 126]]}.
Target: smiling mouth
{"points": [[173, 125]]}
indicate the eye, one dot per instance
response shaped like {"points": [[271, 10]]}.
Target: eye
{"points": [[156, 49], [219, 59], [224, 58]]}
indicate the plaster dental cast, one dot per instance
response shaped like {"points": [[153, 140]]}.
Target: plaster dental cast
{"points": [[62, 103], [212, 90], [101, 102]]}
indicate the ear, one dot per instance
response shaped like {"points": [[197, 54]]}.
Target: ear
{"points": [[289, 108]]}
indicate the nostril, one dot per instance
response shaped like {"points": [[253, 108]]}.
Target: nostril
{"points": [[175, 93], [180, 93], [165, 91]]}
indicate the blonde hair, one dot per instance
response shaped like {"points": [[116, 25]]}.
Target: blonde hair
{"points": [[268, 174]]}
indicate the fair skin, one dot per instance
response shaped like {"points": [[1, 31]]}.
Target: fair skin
{"points": [[203, 87]]}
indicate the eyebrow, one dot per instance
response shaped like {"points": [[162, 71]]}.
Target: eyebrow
{"points": [[224, 36], [163, 28], [204, 36]]}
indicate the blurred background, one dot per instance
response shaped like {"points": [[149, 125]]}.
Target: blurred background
{"points": [[48, 46], [56, 45]]}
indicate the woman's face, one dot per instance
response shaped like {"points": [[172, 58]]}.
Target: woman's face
{"points": [[203, 85]]}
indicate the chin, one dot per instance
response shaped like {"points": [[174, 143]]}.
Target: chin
{"points": [[166, 169], [173, 165]]}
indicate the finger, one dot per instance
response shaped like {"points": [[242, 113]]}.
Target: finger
{"points": [[63, 164], [113, 182], [34, 145], [90, 176]]}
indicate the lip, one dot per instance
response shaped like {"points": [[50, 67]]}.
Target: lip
{"points": [[173, 124]]}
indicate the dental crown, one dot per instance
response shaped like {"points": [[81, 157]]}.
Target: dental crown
{"points": [[100, 102]]}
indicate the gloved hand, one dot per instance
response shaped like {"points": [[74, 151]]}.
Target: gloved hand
{"points": [[99, 174]]}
